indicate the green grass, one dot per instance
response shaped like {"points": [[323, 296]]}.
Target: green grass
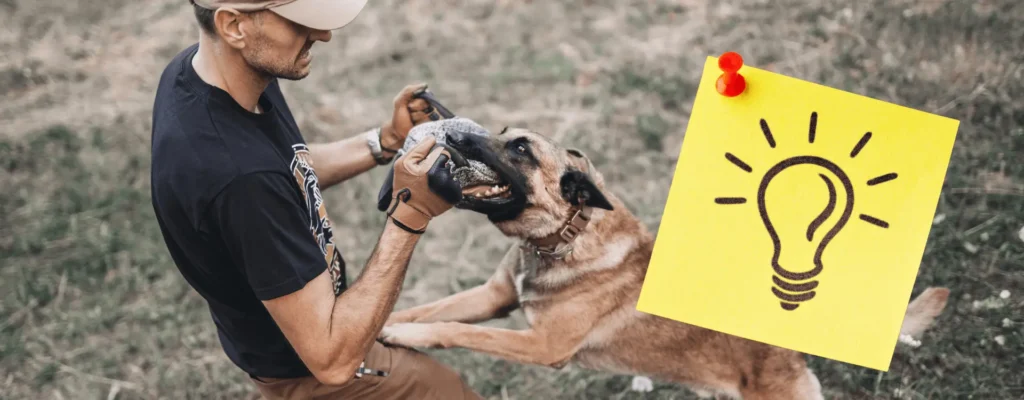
{"points": [[91, 305]]}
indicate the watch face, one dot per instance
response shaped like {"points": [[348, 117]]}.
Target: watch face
{"points": [[373, 139]]}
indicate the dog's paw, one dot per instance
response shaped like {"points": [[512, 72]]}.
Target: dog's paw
{"points": [[400, 317], [642, 384], [393, 320], [410, 335]]}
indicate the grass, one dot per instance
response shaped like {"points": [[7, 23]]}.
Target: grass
{"points": [[92, 307]]}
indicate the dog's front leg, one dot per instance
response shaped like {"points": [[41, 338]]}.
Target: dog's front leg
{"points": [[529, 346], [495, 298]]}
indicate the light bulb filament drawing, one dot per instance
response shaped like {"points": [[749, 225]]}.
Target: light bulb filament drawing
{"points": [[791, 284]]}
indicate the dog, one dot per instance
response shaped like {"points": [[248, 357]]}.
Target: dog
{"points": [[576, 272]]}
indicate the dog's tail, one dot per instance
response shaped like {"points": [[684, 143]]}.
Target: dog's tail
{"points": [[921, 314]]}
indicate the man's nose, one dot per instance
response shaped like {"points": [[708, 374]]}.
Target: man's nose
{"points": [[324, 36]]}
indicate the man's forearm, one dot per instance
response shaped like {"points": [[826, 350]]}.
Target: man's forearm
{"points": [[333, 334], [360, 312], [338, 161]]}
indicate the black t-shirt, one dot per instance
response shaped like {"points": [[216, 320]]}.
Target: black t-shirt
{"points": [[239, 206]]}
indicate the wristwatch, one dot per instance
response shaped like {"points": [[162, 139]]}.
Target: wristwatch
{"points": [[373, 141]]}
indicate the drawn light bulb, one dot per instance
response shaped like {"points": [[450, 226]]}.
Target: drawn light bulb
{"points": [[794, 284], [799, 243]]}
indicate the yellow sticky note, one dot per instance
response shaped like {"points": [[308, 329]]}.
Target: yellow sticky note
{"points": [[798, 216]]}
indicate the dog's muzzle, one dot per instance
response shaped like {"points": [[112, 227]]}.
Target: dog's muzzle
{"points": [[462, 170]]}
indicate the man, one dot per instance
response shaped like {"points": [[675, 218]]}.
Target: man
{"points": [[238, 202]]}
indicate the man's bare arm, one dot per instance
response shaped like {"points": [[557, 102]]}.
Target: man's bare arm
{"points": [[338, 161], [332, 335]]}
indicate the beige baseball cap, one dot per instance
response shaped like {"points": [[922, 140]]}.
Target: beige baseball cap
{"points": [[317, 14]]}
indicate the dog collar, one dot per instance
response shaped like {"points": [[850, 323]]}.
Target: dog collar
{"points": [[548, 245]]}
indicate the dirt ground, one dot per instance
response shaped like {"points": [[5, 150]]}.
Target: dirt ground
{"points": [[91, 306]]}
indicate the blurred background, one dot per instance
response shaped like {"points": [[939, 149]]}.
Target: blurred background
{"points": [[91, 306]]}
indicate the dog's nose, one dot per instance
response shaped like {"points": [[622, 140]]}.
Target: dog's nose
{"points": [[456, 138]]}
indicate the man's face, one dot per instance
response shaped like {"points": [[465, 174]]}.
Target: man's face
{"points": [[281, 48]]}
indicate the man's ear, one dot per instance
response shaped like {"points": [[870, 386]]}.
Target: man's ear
{"points": [[577, 185], [229, 26]]}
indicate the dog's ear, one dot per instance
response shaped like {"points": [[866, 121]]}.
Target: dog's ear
{"points": [[577, 185], [576, 153], [579, 159]]}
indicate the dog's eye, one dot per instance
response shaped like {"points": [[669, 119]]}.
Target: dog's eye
{"points": [[519, 149]]}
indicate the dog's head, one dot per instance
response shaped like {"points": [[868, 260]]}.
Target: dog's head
{"points": [[532, 183]]}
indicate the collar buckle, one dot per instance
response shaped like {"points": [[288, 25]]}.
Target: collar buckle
{"points": [[569, 233], [549, 246]]}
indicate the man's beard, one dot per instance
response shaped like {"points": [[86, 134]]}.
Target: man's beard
{"points": [[292, 74], [259, 61]]}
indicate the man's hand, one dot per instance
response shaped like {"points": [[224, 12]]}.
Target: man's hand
{"points": [[409, 112], [423, 187], [338, 161]]}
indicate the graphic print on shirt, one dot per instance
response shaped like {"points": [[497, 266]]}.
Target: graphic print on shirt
{"points": [[320, 224]]}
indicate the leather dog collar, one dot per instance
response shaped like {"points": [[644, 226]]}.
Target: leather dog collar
{"points": [[577, 222]]}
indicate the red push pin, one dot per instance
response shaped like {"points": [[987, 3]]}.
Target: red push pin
{"points": [[730, 83]]}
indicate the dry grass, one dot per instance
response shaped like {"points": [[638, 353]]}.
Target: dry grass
{"points": [[91, 306]]}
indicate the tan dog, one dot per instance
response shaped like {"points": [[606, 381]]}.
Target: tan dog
{"points": [[579, 291]]}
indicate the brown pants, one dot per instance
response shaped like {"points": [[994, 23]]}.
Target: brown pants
{"points": [[411, 375]]}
